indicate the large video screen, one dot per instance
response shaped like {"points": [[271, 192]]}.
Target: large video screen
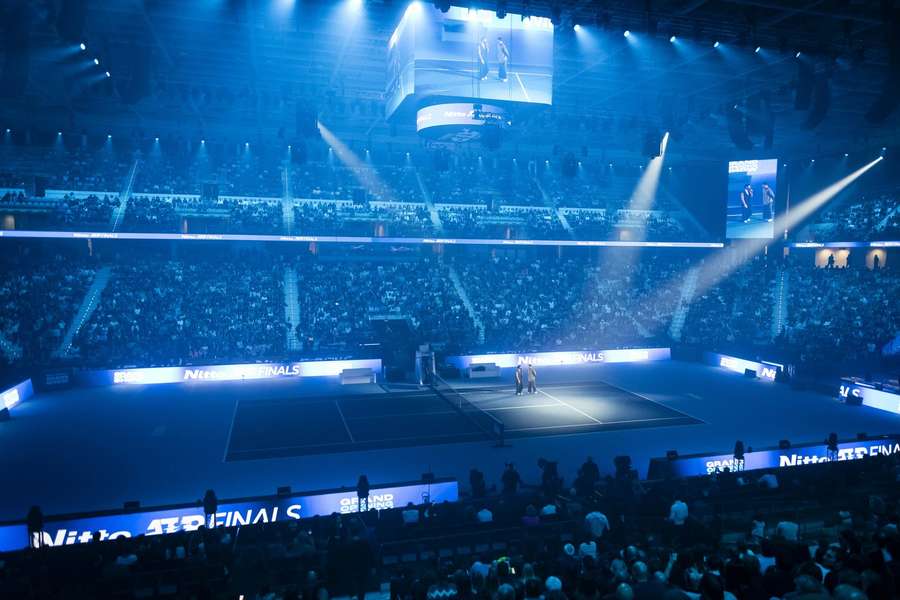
{"points": [[469, 54], [751, 198]]}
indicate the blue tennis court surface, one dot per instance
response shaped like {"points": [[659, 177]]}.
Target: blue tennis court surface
{"points": [[413, 417]]}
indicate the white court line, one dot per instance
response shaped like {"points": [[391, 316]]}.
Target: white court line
{"points": [[521, 85], [230, 429], [340, 412], [516, 407], [581, 412], [590, 424]]}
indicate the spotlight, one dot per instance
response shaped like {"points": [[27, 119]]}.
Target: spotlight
{"points": [[672, 39], [107, 74], [289, 146], [203, 141], [812, 161], [355, 4], [716, 44], [58, 133], [798, 54], [7, 130], [758, 48], [82, 46], [576, 27], [627, 33], [246, 144], [96, 61], [109, 136], [846, 154]]}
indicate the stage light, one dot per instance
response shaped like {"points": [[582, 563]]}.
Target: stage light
{"points": [[812, 161], [627, 33], [96, 61], [202, 141], [58, 133], [7, 130], [246, 144], [355, 4], [156, 140], [797, 55], [673, 39], [107, 74], [82, 46], [289, 146], [716, 44], [758, 48], [109, 136], [576, 27], [846, 154]]}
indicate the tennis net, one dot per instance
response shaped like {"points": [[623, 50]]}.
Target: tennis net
{"points": [[482, 419]]}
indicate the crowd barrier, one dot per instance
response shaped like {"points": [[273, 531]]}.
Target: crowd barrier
{"points": [[546, 359], [64, 530], [771, 458]]}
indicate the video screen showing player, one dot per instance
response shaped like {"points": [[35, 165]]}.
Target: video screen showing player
{"points": [[473, 54], [751, 198]]}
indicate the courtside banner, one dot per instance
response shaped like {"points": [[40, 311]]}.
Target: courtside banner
{"points": [[868, 395], [16, 395], [67, 530], [764, 369], [770, 458], [546, 359], [155, 375]]}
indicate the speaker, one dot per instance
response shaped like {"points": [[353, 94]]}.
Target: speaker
{"points": [[131, 505], [862, 436], [672, 454], [784, 444], [307, 121], [737, 128], [806, 78], [750, 373], [284, 490]]}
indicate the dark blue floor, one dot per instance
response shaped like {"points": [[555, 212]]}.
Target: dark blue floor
{"points": [[300, 426], [92, 449]]}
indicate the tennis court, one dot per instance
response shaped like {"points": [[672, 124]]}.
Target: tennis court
{"points": [[418, 417]]}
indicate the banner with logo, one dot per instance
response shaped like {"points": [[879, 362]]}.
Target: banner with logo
{"points": [[67, 530], [237, 372], [764, 369], [545, 359], [868, 395], [771, 458], [16, 395]]}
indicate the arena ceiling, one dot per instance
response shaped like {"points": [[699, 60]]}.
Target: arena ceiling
{"points": [[242, 67]]}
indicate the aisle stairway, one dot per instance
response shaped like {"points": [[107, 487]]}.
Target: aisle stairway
{"points": [[464, 296], [684, 304], [287, 200], [88, 306], [118, 214], [291, 308], [780, 306], [432, 210], [559, 215]]}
